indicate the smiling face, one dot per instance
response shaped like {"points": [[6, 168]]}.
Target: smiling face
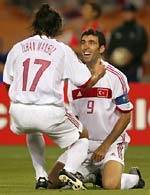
{"points": [[91, 49]]}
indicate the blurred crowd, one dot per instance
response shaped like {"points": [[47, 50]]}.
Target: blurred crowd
{"points": [[72, 6], [127, 42]]}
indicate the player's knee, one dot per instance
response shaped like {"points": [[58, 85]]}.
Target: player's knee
{"points": [[110, 184]]}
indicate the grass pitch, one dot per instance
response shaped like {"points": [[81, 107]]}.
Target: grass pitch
{"points": [[17, 176]]}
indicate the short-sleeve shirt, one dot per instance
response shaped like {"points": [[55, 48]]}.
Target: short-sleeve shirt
{"points": [[100, 107]]}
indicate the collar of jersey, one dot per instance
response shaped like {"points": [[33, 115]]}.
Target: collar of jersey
{"points": [[41, 37]]}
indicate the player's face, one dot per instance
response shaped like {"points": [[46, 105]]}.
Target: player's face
{"points": [[90, 48]]}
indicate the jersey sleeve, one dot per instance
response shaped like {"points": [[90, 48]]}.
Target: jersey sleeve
{"points": [[120, 94], [8, 68], [75, 70]]}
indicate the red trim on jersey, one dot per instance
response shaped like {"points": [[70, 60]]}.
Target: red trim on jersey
{"points": [[123, 111], [97, 92], [118, 74], [85, 84]]}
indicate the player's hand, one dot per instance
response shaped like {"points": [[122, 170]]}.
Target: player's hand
{"points": [[97, 73], [99, 69], [99, 153]]}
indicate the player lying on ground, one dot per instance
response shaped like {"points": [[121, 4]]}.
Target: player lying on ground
{"points": [[35, 70], [105, 111]]}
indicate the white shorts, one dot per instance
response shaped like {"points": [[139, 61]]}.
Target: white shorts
{"points": [[115, 152], [62, 127]]}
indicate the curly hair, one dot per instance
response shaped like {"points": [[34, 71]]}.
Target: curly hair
{"points": [[47, 21]]}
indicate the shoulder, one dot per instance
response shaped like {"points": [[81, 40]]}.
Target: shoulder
{"points": [[114, 72], [16, 48], [61, 44], [68, 50], [64, 46], [18, 44], [116, 77]]}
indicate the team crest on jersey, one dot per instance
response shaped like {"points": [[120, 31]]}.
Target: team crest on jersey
{"points": [[102, 92]]}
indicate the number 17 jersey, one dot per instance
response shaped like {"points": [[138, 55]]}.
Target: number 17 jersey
{"points": [[36, 68]]}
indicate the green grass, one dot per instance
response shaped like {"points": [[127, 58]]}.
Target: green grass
{"points": [[17, 175]]}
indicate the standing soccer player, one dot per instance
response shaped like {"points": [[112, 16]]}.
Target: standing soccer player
{"points": [[105, 111], [35, 70]]}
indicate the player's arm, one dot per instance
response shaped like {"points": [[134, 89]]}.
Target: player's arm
{"points": [[124, 106], [118, 129], [98, 73]]}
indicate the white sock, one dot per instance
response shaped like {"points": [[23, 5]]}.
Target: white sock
{"points": [[36, 144], [77, 153], [128, 181]]}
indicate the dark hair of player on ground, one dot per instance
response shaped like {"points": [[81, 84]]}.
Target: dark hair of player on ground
{"points": [[47, 21], [100, 35]]}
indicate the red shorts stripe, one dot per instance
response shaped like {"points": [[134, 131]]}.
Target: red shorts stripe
{"points": [[72, 119]]}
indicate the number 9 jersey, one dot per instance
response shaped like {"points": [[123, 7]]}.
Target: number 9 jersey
{"points": [[99, 107], [36, 68]]}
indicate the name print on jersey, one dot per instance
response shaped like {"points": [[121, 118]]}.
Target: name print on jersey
{"points": [[39, 46]]}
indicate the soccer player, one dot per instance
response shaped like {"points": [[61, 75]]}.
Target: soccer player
{"points": [[105, 111], [35, 70]]}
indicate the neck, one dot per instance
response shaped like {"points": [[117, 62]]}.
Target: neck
{"points": [[91, 65]]}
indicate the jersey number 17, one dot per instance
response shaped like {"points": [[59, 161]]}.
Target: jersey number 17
{"points": [[26, 64]]}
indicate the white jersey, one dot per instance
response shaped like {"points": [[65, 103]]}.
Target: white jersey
{"points": [[36, 68], [99, 107]]}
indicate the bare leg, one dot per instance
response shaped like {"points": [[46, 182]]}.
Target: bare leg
{"points": [[111, 175], [53, 176]]}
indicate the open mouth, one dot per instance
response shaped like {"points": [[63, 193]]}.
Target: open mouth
{"points": [[86, 54]]}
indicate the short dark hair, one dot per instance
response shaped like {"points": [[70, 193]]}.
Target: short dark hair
{"points": [[47, 21], [95, 7], [100, 35]]}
